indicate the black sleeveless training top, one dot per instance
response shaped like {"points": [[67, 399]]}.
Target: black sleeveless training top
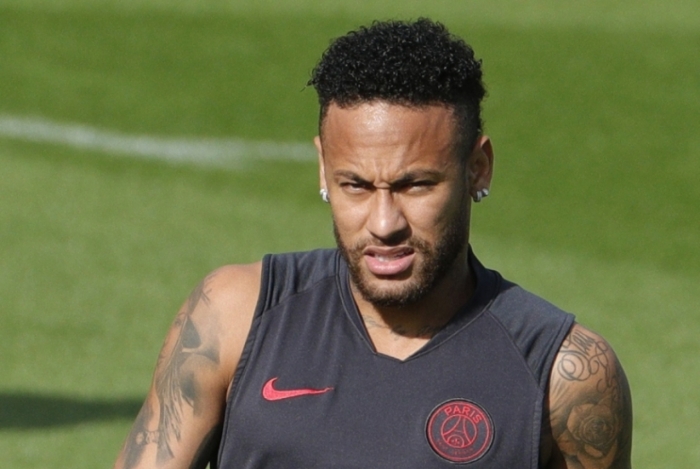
{"points": [[310, 391]]}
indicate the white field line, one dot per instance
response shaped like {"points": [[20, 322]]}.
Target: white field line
{"points": [[206, 152]]}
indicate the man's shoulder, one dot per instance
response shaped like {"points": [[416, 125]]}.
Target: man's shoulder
{"points": [[316, 260], [236, 287], [514, 299], [512, 304], [230, 293], [524, 312], [535, 326], [287, 274], [232, 282]]}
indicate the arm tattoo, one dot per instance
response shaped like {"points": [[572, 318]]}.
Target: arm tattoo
{"points": [[583, 357], [592, 424], [176, 384], [195, 349], [138, 438]]}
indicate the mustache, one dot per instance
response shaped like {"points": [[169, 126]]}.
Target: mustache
{"points": [[400, 238], [418, 244]]}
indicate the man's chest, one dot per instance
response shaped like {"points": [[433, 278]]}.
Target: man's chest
{"points": [[313, 393]]}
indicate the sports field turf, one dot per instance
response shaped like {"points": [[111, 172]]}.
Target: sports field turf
{"points": [[594, 109]]}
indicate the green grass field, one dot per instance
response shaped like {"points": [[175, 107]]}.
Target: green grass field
{"points": [[593, 108]]}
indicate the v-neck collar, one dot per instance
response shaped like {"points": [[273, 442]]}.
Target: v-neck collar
{"points": [[487, 283]]}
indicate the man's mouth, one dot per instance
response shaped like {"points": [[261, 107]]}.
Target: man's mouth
{"points": [[388, 261]]}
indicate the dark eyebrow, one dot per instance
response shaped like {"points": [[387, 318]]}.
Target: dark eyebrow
{"points": [[425, 174], [405, 178], [349, 175]]}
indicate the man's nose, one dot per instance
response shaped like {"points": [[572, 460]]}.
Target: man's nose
{"points": [[386, 220]]}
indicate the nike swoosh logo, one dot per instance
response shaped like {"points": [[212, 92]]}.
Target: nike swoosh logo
{"points": [[271, 394]]}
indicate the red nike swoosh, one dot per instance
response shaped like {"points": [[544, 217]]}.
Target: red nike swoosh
{"points": [[271, 394]]}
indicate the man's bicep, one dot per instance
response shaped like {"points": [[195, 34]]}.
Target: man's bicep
{"points": [[185, 402], [590, 407]]}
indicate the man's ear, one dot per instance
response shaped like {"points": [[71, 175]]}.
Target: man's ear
{"points": [[321, 166], [480, 165]]}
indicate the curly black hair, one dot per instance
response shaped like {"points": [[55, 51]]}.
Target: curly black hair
{"points": [[409, 63]]}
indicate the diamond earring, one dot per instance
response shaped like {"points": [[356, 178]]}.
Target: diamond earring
{"points": [[481, 194]]}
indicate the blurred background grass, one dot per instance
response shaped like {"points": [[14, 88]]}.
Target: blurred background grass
{"points": [[593, 109]]}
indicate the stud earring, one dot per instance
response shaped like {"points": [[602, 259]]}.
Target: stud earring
{"points": [[324, 195], [481, 194]]}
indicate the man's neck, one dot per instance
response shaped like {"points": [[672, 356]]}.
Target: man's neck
{"points": [[401, 331]]}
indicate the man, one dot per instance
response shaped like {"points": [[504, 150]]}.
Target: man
{"points": [[398, 349]]}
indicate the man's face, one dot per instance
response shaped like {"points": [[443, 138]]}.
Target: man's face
{"points": [[400, 196]]}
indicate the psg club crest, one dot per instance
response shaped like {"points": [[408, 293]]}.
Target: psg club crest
{"points": [[459, 431]]}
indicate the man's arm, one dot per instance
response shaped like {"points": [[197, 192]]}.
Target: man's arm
{"points": [[180, 422], [589, 406]]}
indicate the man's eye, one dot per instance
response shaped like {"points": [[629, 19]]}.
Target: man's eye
{"points": [[354, 186], [418, 186]]}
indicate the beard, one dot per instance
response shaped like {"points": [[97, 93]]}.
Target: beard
{"points": [[433, 263]]}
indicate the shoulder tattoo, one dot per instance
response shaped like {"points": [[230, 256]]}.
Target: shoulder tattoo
{"points": [[589, 404]]}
